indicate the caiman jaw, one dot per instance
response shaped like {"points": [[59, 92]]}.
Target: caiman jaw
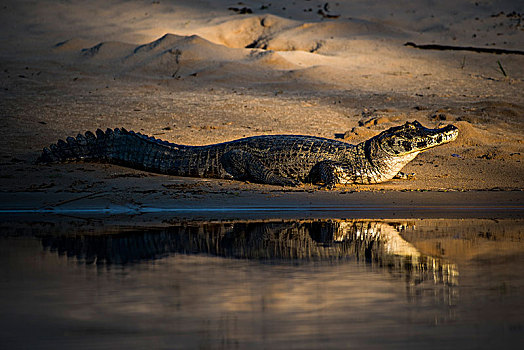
{"points": [[438, 137]]}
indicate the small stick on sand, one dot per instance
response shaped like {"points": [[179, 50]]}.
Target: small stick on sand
{"points": [[502, 68], [464, 48]]}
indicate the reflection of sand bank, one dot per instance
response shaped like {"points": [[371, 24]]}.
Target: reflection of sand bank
{"points": [[463, 240]]}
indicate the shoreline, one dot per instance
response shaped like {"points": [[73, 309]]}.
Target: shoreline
{"points": [[257, 204]]}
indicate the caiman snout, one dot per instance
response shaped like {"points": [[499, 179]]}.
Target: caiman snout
{"points": [[446, 134], [413, 137]]}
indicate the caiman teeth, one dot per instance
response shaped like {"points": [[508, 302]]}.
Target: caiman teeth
{"points": [[452, 134]]}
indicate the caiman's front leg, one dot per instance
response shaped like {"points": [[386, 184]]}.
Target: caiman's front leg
{"points": [[243, 165]]}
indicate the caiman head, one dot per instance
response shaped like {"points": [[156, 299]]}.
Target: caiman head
{"points": [[413, 138]]}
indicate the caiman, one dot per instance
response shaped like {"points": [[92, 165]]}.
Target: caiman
{"points": [[284, 160]]}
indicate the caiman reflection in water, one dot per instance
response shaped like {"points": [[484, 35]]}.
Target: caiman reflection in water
{"points": [[377, 243]]}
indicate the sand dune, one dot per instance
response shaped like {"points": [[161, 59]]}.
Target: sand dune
{"points": [[174, 56], [107, 51], [246, 30], [280, 34]]}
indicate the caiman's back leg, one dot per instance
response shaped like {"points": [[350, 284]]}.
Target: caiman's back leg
{"points": [[324, 172], [242, 165]]}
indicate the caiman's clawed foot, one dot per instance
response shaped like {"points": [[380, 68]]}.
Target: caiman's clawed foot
{"points": [[328, 186], [405, 176]]}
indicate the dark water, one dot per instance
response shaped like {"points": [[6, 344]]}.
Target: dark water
{"points": [[294, 284]]}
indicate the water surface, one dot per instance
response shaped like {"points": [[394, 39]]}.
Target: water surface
{"points": [[303, 284]]}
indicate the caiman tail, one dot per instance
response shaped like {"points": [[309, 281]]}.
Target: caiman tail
{"points": [[119, 146]]}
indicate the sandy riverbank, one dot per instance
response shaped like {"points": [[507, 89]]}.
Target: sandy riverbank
{"points": [[210, 71]]}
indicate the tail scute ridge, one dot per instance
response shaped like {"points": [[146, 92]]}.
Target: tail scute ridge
{"points": [[100, 134], [90, 137]]}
